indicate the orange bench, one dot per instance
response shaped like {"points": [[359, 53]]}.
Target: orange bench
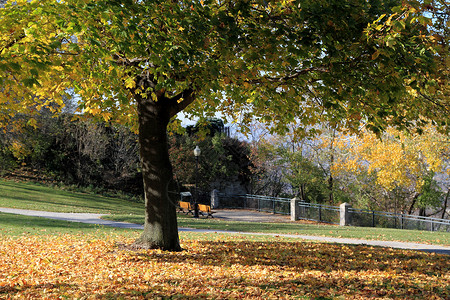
{"points": [[205, 209], [185, 207]]}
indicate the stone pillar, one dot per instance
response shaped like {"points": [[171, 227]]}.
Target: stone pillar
{"points": [[295, 209], [215, 199], [344, 214]]}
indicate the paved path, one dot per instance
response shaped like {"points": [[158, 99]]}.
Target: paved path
{"points": [[235, 215], [71, 217], [249, 216]]}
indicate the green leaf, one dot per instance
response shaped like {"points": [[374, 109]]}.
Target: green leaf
{"points": [[34, 72], [390, 41], [15, 66], [30, 82], [74, 47], [399, 25]]}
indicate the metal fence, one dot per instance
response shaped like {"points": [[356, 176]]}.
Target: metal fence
{"points": [[260, 203], [372, 218], [331, 214], [319, 212]]}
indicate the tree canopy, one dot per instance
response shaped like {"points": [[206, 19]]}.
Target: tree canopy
{"points": [[277, 60], [376, 63]]}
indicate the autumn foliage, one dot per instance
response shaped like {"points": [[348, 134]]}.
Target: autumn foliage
{"points": [[83, 267]]}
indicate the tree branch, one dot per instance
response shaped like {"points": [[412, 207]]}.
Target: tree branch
{"points": [[434, 102], [175, 105], [14, 41], [288, 77], [134, 62]]}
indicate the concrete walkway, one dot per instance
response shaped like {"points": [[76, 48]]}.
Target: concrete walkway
{"points": [[71, 217], [231, 215]]}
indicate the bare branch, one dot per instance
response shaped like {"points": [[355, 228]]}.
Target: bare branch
{"points": [[291, 76], [445, 108]]}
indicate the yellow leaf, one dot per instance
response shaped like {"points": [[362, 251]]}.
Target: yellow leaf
{"points": [[129, 83]]}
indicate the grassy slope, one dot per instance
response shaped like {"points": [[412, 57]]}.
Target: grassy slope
{"points": [[37, 197], [27, 195]]}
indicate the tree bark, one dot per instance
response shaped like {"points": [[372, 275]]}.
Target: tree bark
{"points": [[160, 228], [416, 196], [330, 188], [444, 209], [302, 192]]}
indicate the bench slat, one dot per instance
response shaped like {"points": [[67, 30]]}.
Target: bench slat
{"points": [[206, 209], [186, 207]]}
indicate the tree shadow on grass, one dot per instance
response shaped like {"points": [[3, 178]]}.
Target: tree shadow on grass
{"points": [[247, 269], [10, 290], [311, 287], [304, 256], [393, 268]]}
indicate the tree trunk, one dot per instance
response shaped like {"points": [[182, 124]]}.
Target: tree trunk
{"points": [[330, 179], [444, 209], [302, 192], [160, 228], [422, 212], [416, 196], [330, 188]]}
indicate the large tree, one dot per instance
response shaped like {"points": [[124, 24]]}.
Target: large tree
{"points": [[142, 62]]}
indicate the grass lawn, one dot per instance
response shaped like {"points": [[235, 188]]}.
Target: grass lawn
{"points": [[34, 196], [29, 195], [301, 228], [17, 226]]}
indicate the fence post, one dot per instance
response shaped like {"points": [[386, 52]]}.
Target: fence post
{"points": [[344, 214], [215, 199], [295, 209], [401, 222]]}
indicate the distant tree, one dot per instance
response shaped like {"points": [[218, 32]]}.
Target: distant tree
{"points": [[209, 127], [223, 161], [80, 152], [402, 166], [306, 178], [267, 172]]}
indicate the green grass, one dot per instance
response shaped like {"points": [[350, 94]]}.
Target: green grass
{"points": [[368, 233], [17, 225], [26, 195]]}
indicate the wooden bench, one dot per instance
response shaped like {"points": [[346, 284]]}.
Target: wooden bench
{"points": [[205, 209], [185, 207]]}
